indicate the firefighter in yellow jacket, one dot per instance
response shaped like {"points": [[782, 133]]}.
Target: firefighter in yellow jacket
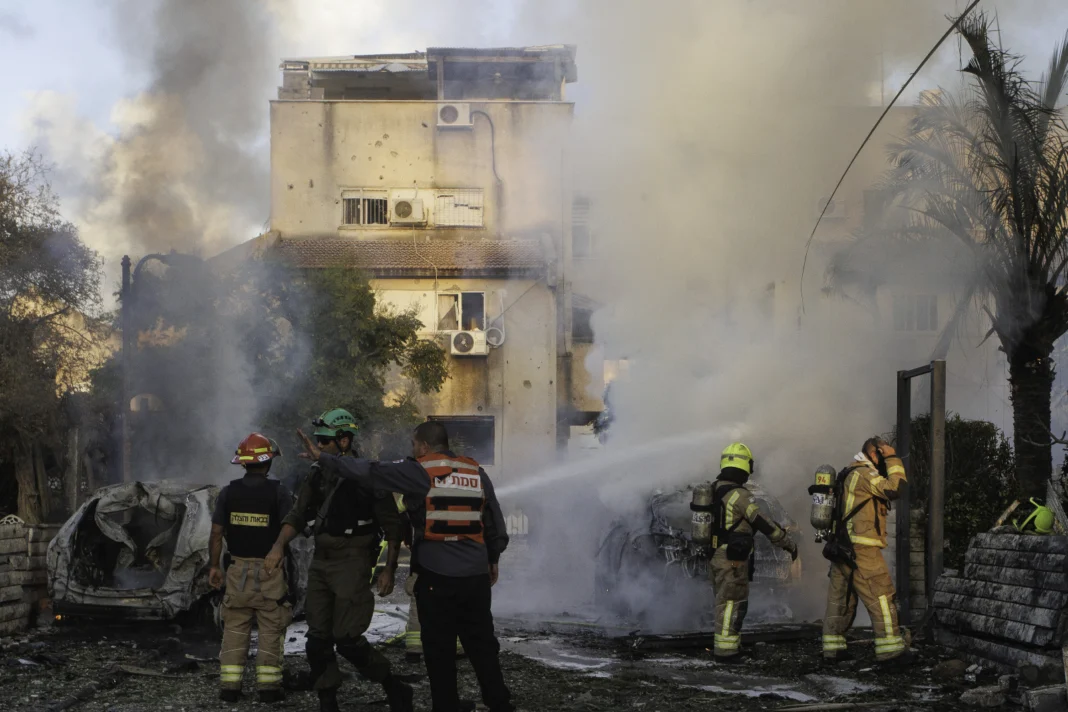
{"points": [[863, 491], [735, 520]]}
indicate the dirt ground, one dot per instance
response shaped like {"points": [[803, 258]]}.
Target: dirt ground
{"points": [[135, 668]]}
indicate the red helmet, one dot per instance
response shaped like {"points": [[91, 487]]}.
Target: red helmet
{"points": [[256, 449]]}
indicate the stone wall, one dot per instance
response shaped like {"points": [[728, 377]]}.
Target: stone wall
{"points": [[23, 573]]}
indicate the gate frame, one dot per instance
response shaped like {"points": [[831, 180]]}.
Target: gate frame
{"points": [[935, 539]]}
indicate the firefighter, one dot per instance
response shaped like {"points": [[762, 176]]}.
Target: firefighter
{"points": [[735, 520], [348, 520], [248, 514], [459, 537], [863, 492]]}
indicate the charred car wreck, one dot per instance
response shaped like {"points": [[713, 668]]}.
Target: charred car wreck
{"points": [[642, 564], [140, 551]]}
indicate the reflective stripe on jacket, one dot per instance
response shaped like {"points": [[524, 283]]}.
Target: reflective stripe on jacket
{"points": [[455, 500], [863, 486]]}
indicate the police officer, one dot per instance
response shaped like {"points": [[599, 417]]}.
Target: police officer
{"points": [[459, 537], [863, 491], [248, 514], [348, 520], [735, 518]]}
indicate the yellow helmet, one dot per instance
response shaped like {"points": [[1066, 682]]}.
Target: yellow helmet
{"points": [[737, 455]]}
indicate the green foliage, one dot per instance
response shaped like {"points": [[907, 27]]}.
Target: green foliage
{"points": [[266, 348], [980, 480], [48, 297]]}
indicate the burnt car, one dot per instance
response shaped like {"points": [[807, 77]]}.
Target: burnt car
{"points": [[649, 567], [139, 551]]}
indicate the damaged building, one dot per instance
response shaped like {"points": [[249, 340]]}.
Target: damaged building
{"points": [[445, 176]]}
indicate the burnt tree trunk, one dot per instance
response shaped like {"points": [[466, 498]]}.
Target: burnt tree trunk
{"points": [[1031, 379]]}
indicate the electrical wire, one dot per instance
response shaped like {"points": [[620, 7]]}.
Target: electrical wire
{"points": [[804, 263]]}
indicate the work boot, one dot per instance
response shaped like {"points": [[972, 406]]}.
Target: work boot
{"points": [[413, 657], [398, 695], [328, 700], [229, 695], [728, 659], [271, 696]]}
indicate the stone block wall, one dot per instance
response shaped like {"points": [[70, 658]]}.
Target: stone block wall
{"points": [[23, 573]]}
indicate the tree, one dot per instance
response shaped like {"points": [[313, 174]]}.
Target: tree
{"points": [[985, 175], [261, 347], [49, 300], [979, 481]]}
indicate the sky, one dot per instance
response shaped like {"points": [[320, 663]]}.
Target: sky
{"points": [[79, 71]]}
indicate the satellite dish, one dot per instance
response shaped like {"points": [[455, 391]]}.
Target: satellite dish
{"points": [[494, 337]]}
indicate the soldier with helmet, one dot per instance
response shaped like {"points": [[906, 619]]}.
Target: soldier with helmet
{"points": [[735, 520], [348, 520], [248, 514]]}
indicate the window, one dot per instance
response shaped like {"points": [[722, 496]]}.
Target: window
{"points": [[915, 312], [582, 326], [465, 311], [459, 208], [364, 207], [470, 435], [581, 240]]}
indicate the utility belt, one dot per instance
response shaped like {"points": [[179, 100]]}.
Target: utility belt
{"points": [[329, 547], [739, 546]]}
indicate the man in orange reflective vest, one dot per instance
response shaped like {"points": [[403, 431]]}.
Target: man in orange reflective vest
{"points": [[459, 537]]}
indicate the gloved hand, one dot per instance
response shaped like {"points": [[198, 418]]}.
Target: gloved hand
{"points": [[788, 544]]}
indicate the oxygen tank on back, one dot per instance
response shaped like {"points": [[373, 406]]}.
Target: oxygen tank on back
{"points": [[701, 505], [822, 513]]}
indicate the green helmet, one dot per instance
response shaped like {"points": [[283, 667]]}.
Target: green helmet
{"points": [[335, 423], [1040, 519]]}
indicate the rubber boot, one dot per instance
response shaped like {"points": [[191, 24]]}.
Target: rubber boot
{"points": [[229, 695], [398, 695], [328, 700]]}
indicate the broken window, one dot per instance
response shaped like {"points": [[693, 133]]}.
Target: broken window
{"points": [[581, 239], [915, 312], [470, 435], [465, 311], [473, 311], [459, 208], [364, 207], [448, 312]]}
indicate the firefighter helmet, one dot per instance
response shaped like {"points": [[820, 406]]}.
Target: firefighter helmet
{"points": [[335, 423], [737, 455], [256, 449]]}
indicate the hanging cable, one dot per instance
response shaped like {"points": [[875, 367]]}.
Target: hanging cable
{"points": [[804, 263]]}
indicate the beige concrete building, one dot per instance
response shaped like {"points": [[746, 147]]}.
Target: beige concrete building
{"points": [[445, 176]]}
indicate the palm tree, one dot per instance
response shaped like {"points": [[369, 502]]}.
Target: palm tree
{"points": [[985, 176]]}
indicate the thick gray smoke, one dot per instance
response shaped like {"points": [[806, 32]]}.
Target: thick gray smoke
{"points": [[710, 132]]}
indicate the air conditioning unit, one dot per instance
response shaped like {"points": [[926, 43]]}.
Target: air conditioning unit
{"points": [[468, 343], [836, 208], [454, 116], [406, 211]]}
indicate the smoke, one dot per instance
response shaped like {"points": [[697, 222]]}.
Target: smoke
{"points": [[707, 139]]}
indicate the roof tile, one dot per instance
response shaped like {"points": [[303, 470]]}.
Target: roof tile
{"points": [[409, 258]]}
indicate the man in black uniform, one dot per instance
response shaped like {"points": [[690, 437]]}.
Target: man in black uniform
{"points": [[350, 519], [248, 513], [459, 536]]}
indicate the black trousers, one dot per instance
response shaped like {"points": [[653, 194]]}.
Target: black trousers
{"points": [[451, 607]]}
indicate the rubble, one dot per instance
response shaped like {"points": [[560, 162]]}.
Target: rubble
{"points": [[985, 696]]}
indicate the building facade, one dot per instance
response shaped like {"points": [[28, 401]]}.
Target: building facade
{"points": [[444, 175]]}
